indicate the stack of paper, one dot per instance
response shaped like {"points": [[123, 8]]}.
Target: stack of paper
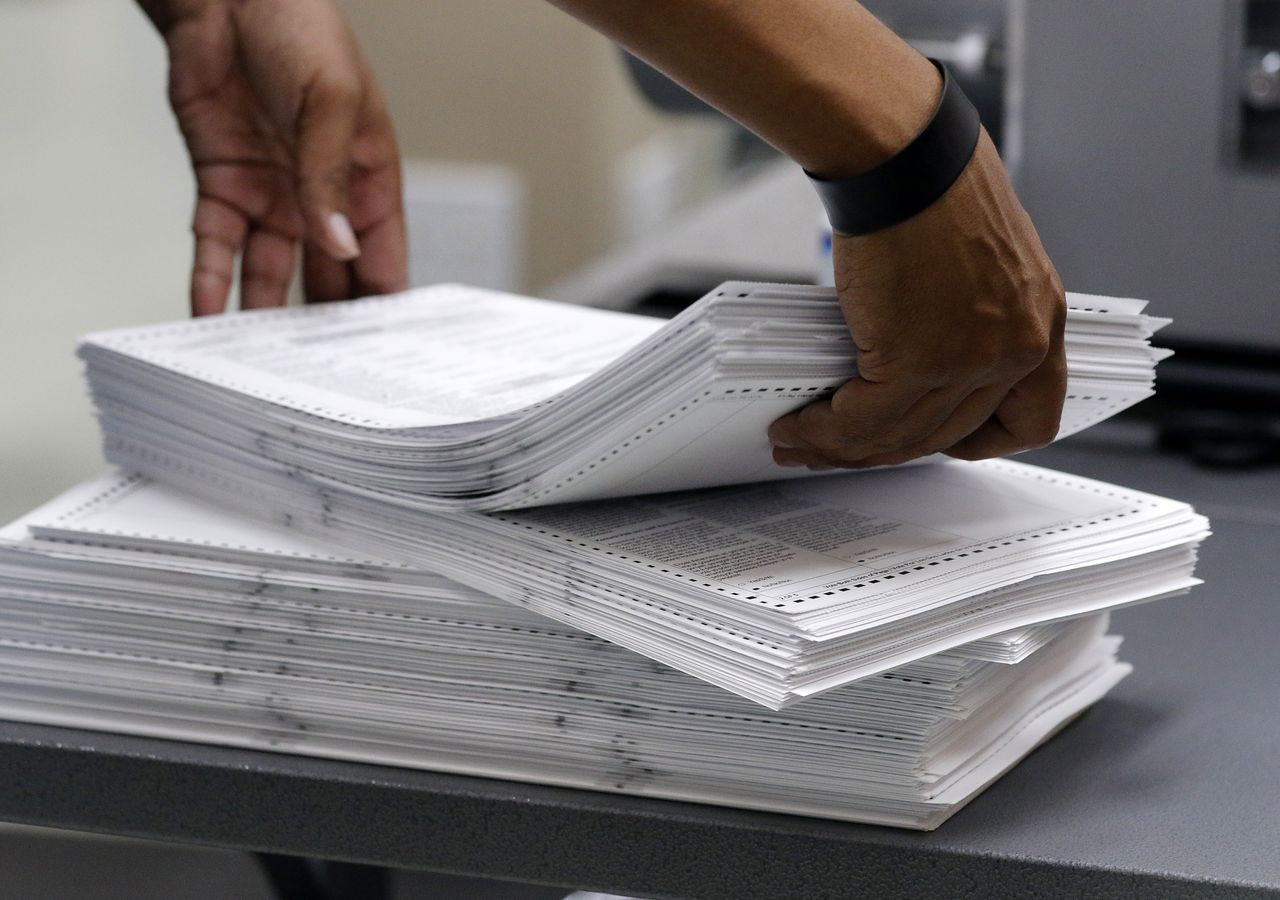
{"points": [[358, 423], [125, 606], [779, 591], [458, 398], [951, 615]]}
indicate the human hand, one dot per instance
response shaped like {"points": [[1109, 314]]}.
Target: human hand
{"points": [[958, 316], [291, 144]]}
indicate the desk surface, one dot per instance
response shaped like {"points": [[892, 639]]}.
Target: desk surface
{"points": [[1169, 788]]}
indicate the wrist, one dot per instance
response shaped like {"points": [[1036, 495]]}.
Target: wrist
{"points": [[913, 179]]}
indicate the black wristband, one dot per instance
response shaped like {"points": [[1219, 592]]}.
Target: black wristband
{"points": [[910, 182]]}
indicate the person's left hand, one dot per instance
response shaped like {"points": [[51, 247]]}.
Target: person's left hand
{"points": [[959, 318], [291, 145]]}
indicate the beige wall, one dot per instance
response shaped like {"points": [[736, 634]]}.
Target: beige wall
{"points": [[94, 201], [514, 82], [95, 195]]}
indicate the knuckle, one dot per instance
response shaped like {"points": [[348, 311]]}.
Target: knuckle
{"points": [[1024, 345], [1029, 348]]}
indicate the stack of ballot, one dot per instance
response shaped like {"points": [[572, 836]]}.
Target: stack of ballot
{"points": [[347, 422], [454, 398], [334, 503], [126, 606]]}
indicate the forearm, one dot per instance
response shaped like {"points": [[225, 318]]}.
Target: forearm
{"points": [[822, 80]]}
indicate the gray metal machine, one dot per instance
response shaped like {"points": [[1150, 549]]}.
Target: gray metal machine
{"points": [[1145, 142], [1143, 136]]}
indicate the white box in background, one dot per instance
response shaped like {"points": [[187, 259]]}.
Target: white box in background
{"points": [[465, 223]]}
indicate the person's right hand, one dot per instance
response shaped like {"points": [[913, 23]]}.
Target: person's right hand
{"points": [[291, 144], [957, 312]]}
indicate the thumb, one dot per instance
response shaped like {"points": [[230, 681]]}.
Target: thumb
{"points": [[326, 126]]}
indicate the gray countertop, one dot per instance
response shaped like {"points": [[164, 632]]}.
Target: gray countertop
{"points": [[1169, 788]]}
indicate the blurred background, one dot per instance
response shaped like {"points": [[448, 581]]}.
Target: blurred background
{"points": [[1143, 137]]}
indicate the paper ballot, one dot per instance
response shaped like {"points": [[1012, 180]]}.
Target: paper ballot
{"points": [[459, 398], [152, 613]]}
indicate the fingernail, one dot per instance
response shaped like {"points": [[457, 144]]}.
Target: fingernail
{"points": [[781, 444], [789, 464], [343, 236]]}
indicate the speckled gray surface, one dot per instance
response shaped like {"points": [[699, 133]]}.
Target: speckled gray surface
{"points": [[1167, 789]]}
